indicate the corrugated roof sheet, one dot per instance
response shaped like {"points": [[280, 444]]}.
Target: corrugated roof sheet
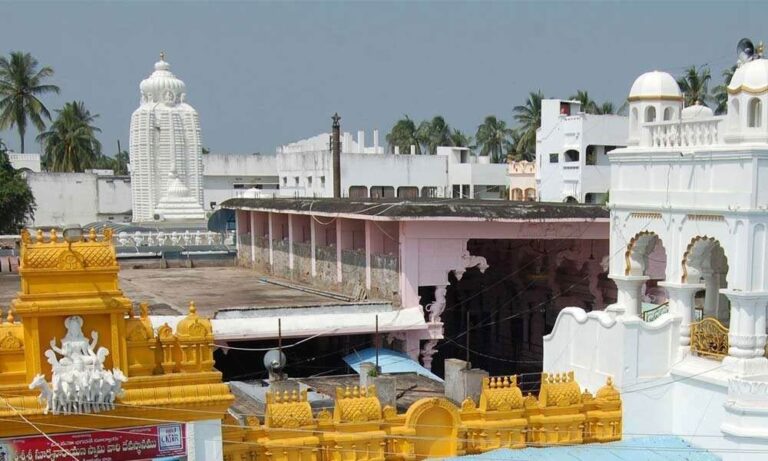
{"points": [[389, 361]]}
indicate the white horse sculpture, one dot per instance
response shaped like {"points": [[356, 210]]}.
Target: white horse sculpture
{"points": [[46, 395]]}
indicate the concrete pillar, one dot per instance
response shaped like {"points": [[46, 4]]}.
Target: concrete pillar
{"points": [[413, 149], [368, 230], [462, 382], [290, 242], [746, 336], [338, 250], [375, 141], [361, 141], [312, 245], [271, 253], [397, 150], [628, 297], [252, 220], [680, 296]]}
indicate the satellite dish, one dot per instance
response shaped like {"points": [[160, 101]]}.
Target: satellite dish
{"points": [[745, 50], [274, 361]]}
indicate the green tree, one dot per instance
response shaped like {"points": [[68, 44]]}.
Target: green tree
{"points": [[461, 139], [694, 83], [434, 133], [70, 144], [21, 84], [403, 135], [606, 108], [529, 117], [720, 95], [513, 153], [493, 138], [17, 204], [588, 106]]}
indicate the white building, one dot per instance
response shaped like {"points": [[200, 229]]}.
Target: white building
{"points": [[27, 162], [522, 180], [689, 192], [165, 145], [224, 175], [305, 169], [571, 152]]}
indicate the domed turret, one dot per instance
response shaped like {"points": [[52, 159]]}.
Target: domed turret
{"points": [[655, 96], [162, 85], [747, 102], [697, 111]]}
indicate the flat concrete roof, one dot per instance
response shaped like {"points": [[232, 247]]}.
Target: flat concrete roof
{"points": [[420, 209], [168, 291]]}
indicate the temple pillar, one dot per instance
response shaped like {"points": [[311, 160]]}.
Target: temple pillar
{"points": [[746, 335], [680, 297], [628, 298], [252, 220], [290, 242]]}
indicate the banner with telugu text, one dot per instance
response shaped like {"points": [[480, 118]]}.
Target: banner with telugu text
{"points": [[130, 444]]}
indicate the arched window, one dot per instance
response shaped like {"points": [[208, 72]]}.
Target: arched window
{"points": [[733, 113], [755, 114], [634, 118], [650, 114], [669, 113]]}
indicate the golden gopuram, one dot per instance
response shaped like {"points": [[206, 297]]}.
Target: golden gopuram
{"points": [[82, 377]]}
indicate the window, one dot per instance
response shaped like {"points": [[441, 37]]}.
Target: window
{"points": [[634, 119], [554, 158], [591, 158], [530, 194], [408, 192], [755, 114], [650, 114], [322, 181], [309, 181], [669, 113], [296, 181], [428, 191], [358, 192], [565, 109], [285, 181], [571, 155]]}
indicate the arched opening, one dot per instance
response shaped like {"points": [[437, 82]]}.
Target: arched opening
{"points": [[408, 192], [570, 199], [382, 192], [705, 262], [429, 191], [517, 194], [358, 192], [571, 155], [530, 194], [733, 113], [634, 119], [647, 256], [669, 113], [650, 114], [755, 113]]}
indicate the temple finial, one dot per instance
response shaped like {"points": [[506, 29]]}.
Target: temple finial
{"points": [[162, 55]]}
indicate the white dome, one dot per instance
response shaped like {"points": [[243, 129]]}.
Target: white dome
{"points": [[162, 85], [696, 111], [751, 77], [655, 85]]}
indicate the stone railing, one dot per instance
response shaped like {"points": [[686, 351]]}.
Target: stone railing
{"points": [[652, 314], [680, 134], [709, 338], [160, 238]]}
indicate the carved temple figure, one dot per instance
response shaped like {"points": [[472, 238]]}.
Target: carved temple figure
{"points": [[79, 382]]}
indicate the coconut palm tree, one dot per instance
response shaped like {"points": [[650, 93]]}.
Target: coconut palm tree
{"points": [[70, 143], [493, 138], [513, 153], [587, 104], [694, 83], [403, 135], [434, 133], [529, 118], [461, 139], [720, 94], [21, 83], [606, 108]]}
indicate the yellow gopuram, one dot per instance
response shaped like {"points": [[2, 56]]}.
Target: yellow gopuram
{"points": [[57, 378]]}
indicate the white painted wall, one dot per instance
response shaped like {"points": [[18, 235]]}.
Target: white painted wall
{"points": [[30, 162], [560, 133], [226, 175], [64, 198]]}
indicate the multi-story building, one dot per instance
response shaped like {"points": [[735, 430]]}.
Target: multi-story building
{"points": [[572, 152]]}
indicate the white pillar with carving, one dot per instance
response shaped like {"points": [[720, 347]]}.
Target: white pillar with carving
{"points": [[746, 335], [680, 296]]}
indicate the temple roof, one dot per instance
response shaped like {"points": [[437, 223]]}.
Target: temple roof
{"points": [[387, 209]]}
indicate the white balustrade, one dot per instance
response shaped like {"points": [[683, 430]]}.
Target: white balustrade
{"points": [[160, 238], [682, 133]]}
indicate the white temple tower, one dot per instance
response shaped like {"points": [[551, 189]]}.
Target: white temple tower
{"points": [[165, 148]]}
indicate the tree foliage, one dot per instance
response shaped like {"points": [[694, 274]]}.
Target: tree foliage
{"points": [[17, 204], [70, 145], [528, 116], [720, 94], [21, 84], [404, 135], [694, 83], [493, 138]]}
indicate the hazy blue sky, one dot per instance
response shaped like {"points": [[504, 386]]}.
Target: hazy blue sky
{"points": [[264, 74]]}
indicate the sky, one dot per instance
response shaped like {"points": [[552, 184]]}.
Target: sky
{"points": [[264, 74]]}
